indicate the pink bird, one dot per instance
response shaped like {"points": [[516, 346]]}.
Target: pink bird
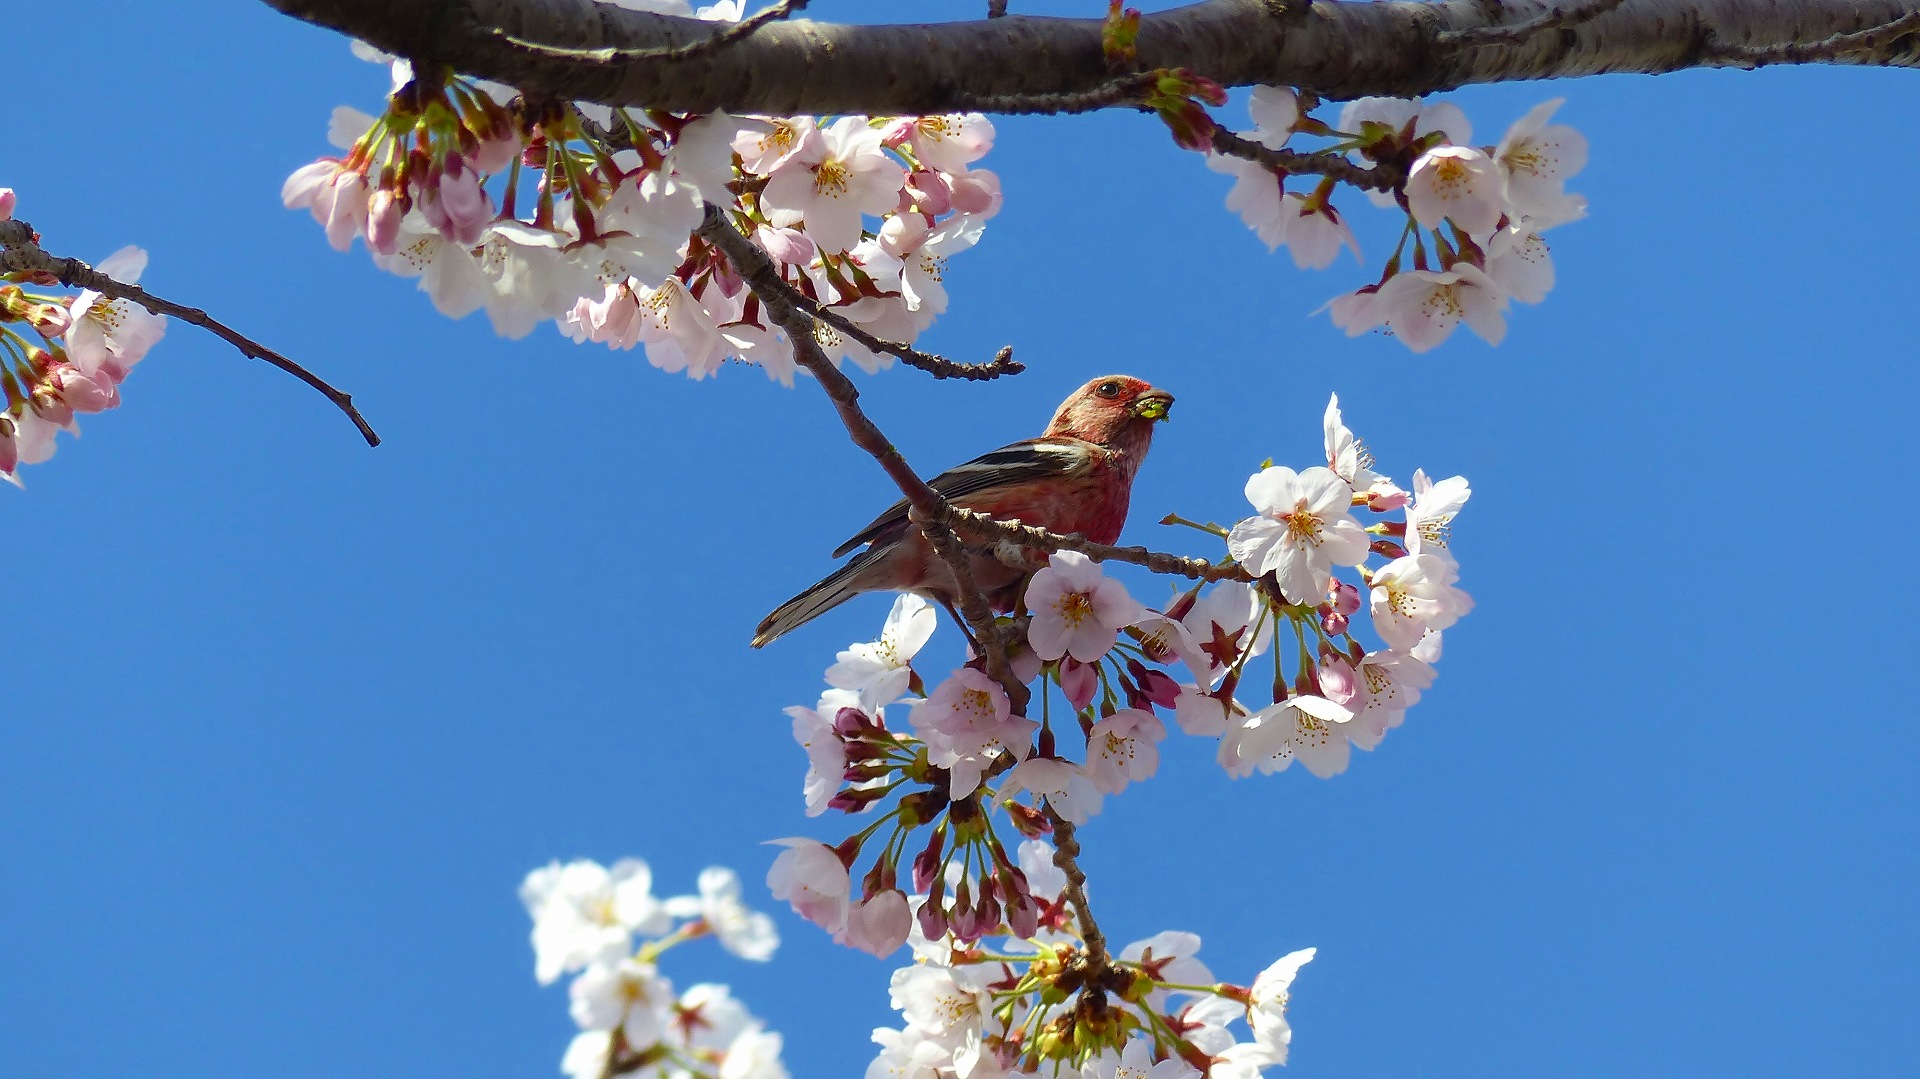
{"points": [[1077, 477]]}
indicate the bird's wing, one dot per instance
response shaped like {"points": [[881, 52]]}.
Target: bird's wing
{"points": [[1022, 462]]}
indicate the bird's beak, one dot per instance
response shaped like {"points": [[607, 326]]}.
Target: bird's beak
{"points": [[1153, 406]]}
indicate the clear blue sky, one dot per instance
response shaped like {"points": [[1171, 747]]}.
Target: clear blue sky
{"points": [[289, 718]]}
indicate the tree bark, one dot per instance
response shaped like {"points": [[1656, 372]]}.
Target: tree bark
{"points": [[1338, 49]]}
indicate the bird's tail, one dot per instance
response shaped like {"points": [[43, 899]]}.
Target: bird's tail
{"points": [[839, 586]]}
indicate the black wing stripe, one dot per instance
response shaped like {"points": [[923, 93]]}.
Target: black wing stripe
{"points": [[1018, 463]]}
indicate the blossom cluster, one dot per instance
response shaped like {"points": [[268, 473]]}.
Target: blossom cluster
{"points": [[1475, 215], [632, 1022], [967, 757], [1023, 1004], [585, 215], [64, 356]]}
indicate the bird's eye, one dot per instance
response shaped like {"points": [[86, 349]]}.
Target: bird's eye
{"points": [[1108, 388]]}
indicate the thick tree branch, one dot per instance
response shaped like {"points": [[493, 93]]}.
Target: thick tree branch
{"points": [[20, 252], [1553, 19], [1835, 48], [739, 31], [1338, 48]]}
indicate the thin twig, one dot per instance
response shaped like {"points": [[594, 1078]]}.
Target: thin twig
{"points": [[1198, 569], [1829, 49], [1123, 91], [996, 9], [1066, 858], [609, 57], [925, 506], [20, 251], [1291, 162], [1553, 19], [938, 366]]}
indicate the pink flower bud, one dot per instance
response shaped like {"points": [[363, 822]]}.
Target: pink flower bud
{"points": [[465, 206], [84, 393], [383, 222], [345, 203], [494, 154], [880, 925], [903, 233], [6, 214], [9, 441], [1078, 680], [1336, 677], [976, 192], [790, 246], [930, 191], [933, 920]]}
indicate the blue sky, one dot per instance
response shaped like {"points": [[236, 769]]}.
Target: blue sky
{"points": [[290, 717]]}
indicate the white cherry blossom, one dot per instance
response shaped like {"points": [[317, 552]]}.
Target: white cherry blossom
{"points": [[1537, 158], [1301, 726], [1275, 110], [627, 995], [1065, 786], [1414, 594], [1423, 306], [1258, 195], [1520, 263], [746, 933], [1386, 685], [584, 912], [880, 671], [1136, 1062], [1460, 184], [1431, 512], [951, 141], [1315, 232], [810, 876], [111, 335], [966, 723], [1267, 1003], [1304, 529]]}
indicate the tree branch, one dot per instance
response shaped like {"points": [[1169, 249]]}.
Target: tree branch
{"points": [[925, 506], [19, 251], [1554, 19], [1066, 858], [1834, 48], [711, 43], [1338, 48], [1198, 569], [1294, 163]]}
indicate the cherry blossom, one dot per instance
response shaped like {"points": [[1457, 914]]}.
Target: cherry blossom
{"points": [[1304, 529], [1537, 158], [1415, 594], [1077, 609], [1065, 786], [879, 925], [1431, 512], [1123, 748], [1301, 726], [112, 335], [882, 670], [1423, 306], [950, 142], [966, 723], [811, 877], [1386, 684], [628, 995], [1136, 1062], [1267, 1003], [584, 912], [746, 933], [829, 182], [1458, 184], [1520, 264]]}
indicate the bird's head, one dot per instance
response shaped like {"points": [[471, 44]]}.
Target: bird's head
{"points": [[1111, 409]]}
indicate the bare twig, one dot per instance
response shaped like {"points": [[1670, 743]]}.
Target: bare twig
{"points": [[1066, 858], [1553, 19], [1291, 162], [1198, 569], [611, 57], [20, 251], [1832, 48], [996, 9], [938, 366], [925, 506]]}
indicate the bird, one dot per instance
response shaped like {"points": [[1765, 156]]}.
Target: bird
{"points": [[1077, 477]]}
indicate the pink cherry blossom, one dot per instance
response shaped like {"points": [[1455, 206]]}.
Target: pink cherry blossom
{"points": [[1537, 157], [6, 203], [1415, 594], [966, 722], [1077, 610], [952, 141], [810, 877], [1124, 748], [829, 183], [880, 925], [1064, 785]]}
